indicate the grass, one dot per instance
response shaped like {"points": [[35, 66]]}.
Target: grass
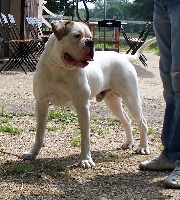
{"points": [[52, 128], [9, 129], [62, 115], [76, 140], [112, 122], [59, 167], [3, 107], [101, 126], [134, 132], [111, 154], [4, 114], [99, 129], [123, 45], [19, 169], [5, 119], [152, 131], [98, 126]]}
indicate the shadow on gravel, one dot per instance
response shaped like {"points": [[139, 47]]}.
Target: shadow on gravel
{"points": [[58, 178], [143, 72]]}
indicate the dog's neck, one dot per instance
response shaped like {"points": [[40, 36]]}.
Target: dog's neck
{"points": [[49, 60], [47, 52]]}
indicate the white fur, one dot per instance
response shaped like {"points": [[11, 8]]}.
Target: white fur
{"points": [[62, 85]]}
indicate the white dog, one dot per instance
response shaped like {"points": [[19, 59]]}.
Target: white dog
{"points": [[67, 75]]}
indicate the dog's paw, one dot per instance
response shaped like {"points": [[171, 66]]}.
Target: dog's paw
{"points": [[127, 145], [87, 163], [143, 150], [28, 156]]}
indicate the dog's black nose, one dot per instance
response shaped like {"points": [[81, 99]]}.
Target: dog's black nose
{"points": [[89, 42]]}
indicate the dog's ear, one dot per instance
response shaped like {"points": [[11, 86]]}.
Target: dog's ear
{"points": [[61, 28]]}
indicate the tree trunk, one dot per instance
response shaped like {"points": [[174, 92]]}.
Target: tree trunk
{"points": [[29, 8]]}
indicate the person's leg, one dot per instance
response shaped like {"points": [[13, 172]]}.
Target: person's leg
{"points": [[174, 15], [171, 83], [168, 123], [167, 29], [162, 28]]}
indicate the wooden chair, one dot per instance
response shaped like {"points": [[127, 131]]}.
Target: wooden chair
{"points": [[35, 28], [22, 50], [113, 39]]}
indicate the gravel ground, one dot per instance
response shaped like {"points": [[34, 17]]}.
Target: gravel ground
{"points": [[55, 173]]}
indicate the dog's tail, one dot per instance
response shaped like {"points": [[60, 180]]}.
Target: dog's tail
{"points": [[133, 58]]}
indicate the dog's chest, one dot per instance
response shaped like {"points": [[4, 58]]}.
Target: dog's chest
{"points": [[58, 94], [53, 90], [59, 99]]}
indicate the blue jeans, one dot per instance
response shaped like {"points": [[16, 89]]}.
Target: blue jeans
{"points": [[167, 30]]}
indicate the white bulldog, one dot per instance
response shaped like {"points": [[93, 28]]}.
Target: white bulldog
{"points": [[67, 74]]}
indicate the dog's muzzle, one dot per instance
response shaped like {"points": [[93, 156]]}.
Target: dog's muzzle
{"points": [[90, 44], [84, 60]]}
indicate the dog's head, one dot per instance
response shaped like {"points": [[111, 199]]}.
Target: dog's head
{"points": [[75, 43]]}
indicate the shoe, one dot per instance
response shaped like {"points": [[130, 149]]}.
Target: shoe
{"points": [[158, 164], [173, 180]]}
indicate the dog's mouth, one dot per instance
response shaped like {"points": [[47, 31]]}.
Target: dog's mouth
{"points": [[78, 62]]}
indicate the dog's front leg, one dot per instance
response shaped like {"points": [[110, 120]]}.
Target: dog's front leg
{"points": [[84, 123], [41, 119]]}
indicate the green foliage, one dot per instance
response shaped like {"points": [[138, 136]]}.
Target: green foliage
{"points": [[98, 129], [76, 140], [4, 114], [114, 8], [142, 10], [5, 120], [59, 6], [112, 122], [134, 132], [62, 5], [111, 154], [59, 167], [19, 169], [99, 125], [151, 131], [124, 47], [9, 129], [62, 115], [3, 107], [51, 128]]}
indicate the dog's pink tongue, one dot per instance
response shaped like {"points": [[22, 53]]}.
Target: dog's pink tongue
{"points": [[78, 64], [88, 58], [82, 63]]}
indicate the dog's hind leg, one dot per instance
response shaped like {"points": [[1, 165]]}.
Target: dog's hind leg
{"points": [[114, 103], [41, 118], [135, 109]]}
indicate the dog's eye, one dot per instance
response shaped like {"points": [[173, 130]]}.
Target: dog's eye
{"points": [[77, 35]]}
